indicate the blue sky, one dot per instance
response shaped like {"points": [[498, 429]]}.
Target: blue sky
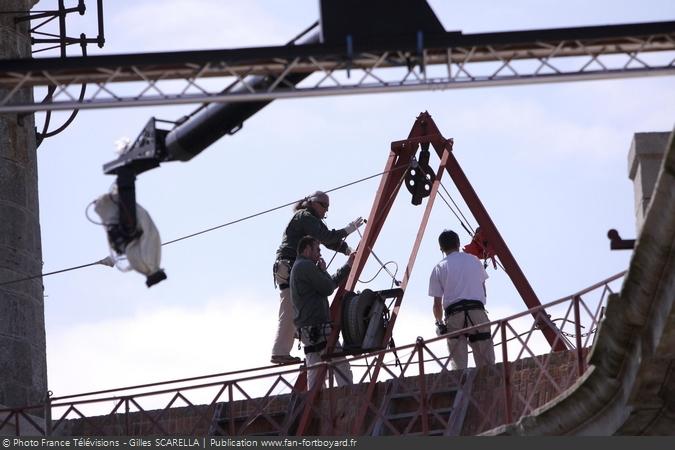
{"points": [[549, 162]]}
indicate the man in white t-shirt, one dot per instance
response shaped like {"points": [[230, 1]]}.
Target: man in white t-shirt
{"points": [[457, 284]]}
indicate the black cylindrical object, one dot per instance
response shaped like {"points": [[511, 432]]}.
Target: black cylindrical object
{"points": [[214, 121]]}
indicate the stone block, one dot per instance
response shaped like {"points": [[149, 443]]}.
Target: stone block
{"points": [[644, 162]]}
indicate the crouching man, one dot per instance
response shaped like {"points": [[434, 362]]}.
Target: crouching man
{"points": [[310, 286]]}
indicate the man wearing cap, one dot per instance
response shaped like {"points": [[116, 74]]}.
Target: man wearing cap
{"points": [[306, 221], [457, 284]]}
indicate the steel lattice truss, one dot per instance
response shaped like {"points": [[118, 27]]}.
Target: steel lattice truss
{"points": [[448, 61]]}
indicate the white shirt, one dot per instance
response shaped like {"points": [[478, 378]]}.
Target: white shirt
{"points": [[459, 276]]}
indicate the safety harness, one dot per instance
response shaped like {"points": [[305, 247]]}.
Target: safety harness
{"points": [[465, 306], [288, 261], [316, 334]]}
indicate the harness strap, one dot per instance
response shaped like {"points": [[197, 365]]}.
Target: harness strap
{"points": [[479, 337], [316, 334], [290, 263], [475, 337], [315, 348], [463, 305]]}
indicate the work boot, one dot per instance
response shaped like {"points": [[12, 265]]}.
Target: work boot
{"points": [[284, 359]]}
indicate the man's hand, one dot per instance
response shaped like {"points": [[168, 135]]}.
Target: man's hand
{"points": [[353, 225], [321, 264], [441, 328]]}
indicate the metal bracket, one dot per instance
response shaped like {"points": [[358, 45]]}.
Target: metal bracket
{"points": [[61, 40], [616, 243], [146, 153]]}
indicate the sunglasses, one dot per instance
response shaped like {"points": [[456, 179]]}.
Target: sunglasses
{"points": [[325, 205]]}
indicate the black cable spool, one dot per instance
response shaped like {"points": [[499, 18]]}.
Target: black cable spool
{"points": [[356, 316]]}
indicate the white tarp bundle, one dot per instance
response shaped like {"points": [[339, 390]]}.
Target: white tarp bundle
{"points": [[143, 253]]}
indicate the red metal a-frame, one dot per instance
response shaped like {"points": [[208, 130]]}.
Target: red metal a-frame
{"points": [[424, 133]]}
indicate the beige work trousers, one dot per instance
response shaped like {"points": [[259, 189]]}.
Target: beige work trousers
{"points": [[483, 350], [285, 336], [341, 369]]}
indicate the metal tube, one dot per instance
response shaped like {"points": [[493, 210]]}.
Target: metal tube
{"points": [[62, 27], [507, 375], [127, 422], [100, 38], [48, 416], [218, 119], [581, 366], [423, 387], [230, 401]]}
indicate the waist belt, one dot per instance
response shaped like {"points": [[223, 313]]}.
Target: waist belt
{"points": [[463, 305], [316, 334]]}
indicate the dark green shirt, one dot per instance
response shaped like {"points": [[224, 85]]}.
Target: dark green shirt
{"points": [[310, 288], [305, 223]]}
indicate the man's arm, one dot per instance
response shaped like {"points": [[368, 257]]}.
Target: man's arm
{"points": [[343, 271], [438, 309], [318, 279], [332, 239], [436, 291], [441, 327]]}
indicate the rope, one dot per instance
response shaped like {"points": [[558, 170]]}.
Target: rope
{"points": [[467, 227], [382, 265], [456, 206], [387, 205], [380, 270], [270, 210], [102, 261], [105, 261]]}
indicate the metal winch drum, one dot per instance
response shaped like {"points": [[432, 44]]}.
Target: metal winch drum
{"points": [[364, 320]]}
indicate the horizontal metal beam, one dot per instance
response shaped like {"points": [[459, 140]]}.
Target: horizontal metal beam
{"points": [[491, 59], [429, 84], [252, 56]]}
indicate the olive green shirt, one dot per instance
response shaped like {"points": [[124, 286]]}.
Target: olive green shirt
{"points": [[305, 223], [310, 288]]}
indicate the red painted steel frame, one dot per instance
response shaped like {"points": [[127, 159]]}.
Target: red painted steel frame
{"points": [[492, 235], [390, 183], [127, 401], [424, 131]]}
